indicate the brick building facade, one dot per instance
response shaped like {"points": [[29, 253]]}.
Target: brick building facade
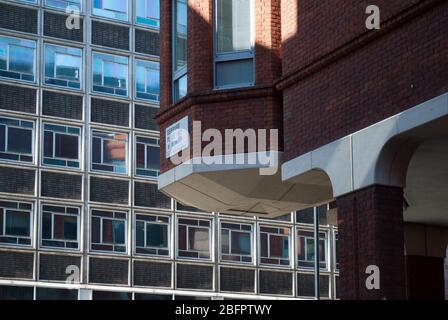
{"points": [[361, 115]]}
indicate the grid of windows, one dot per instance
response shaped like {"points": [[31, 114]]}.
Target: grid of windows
{"points": [[114, 159]]}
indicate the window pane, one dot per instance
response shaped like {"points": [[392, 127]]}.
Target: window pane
{"points": [[112, 9], [17, 223], [65, 227], [157, 235], [2, 138], [148, 12], [153, 157], [66, 146], [96, 150], [181, 34], [19, 140], [234, 25], [236, 72], [241, 243], [140, 234], [180, 88], [46, 226], [114, 152], [198, 239], [119, 232], [21, 59], [278, 246], [225, 241]]}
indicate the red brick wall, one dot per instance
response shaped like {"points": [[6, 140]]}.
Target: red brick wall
{"points": [[401, 68], [371, 232], [254, 107]]}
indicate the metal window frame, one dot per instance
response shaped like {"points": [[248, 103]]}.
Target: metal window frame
{"points": [[126, 235], [35, 50], [177, 74], [252, 242], [326, 239], [290, 246], [126, 165], [136, 136], [33, 139], [146, 16], [31, 236], [210, 238], [168, 225], [80, 146], [102, 54], [97, 12], [79, 224], [233, 56], [80, 67], [136, 61]]}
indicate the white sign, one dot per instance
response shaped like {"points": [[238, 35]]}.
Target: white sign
{"points": [[177, 137]]}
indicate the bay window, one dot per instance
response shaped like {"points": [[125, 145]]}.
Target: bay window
{"points": [[179, 49], [234, 54]]}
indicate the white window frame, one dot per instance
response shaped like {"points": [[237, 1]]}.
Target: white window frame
{"points": [[251, 234], [210, 229], [289, 236], [232, 56], [33, 139], [8, 57], [146, 16], [167, 224], [147, 69], [101, 131], [326, 248], [113, 11], [68, 5], [135, 155], [126, 232], [31, 226], [80, 147], [94, 53], [52, 227]]}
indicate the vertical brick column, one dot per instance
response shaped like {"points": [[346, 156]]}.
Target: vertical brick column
{"points": [[165, 53], [200, 46], [371, 232], [268, 66]]}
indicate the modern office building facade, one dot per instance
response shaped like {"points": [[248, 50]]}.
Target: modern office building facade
{"points": [[81, 216], [356, 93]]}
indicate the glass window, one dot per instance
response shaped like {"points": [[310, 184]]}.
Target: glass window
{"points": [[148, 13], [234, 25], [60, 227], [306, 216], [63, 66], [109, 152], [236, 242], [15, 223], [335, 246], [16, 140], [61, 146], [180, 49], [147, 157], [64, 4], [108, 231], [194, 239], [56, 294], [26, 1], [111, 296], [17, 59], [305, 249], [234, 49], [16, 293], [274, 245], [111, 9], [152, 234], [147, 82], [110, 74]]}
